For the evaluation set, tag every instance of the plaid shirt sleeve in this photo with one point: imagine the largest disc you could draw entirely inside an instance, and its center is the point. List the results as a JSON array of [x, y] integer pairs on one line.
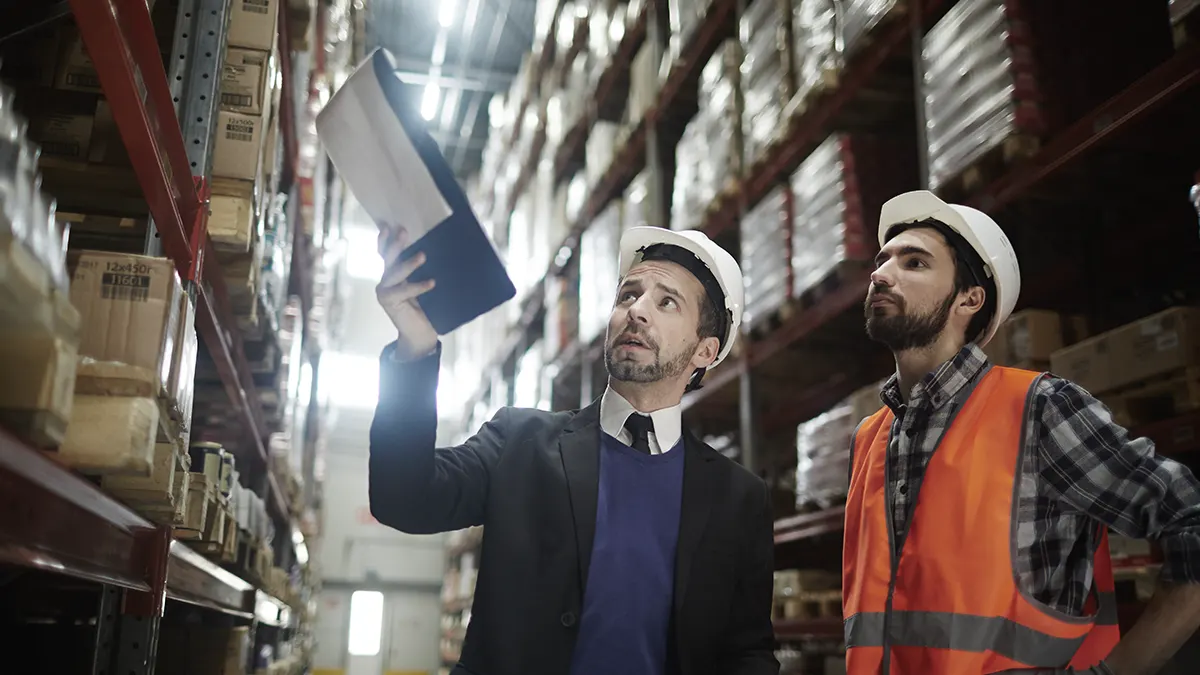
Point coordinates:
[[1096, 468]]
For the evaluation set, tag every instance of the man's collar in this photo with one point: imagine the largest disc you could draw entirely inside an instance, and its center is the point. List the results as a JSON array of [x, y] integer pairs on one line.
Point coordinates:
[[940, 386], [614, 410]]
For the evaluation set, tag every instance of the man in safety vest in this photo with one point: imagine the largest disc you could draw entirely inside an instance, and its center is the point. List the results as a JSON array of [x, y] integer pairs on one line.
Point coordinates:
[[980, 497]]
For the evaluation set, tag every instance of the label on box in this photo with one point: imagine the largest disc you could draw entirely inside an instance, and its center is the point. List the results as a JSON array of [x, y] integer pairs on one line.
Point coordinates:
[[132, 287], [1150, 327]]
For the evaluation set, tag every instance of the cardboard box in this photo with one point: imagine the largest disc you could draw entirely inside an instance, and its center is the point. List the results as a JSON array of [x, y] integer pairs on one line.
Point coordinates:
[[111, 435], [107, 146], [865, 402], [1029, 337], [253, 24], [60, 122], [239, 145], [244, 80], [75, 71], [232, 214], [1088, 364], [39, 384], [129, 306], [1157, 345]]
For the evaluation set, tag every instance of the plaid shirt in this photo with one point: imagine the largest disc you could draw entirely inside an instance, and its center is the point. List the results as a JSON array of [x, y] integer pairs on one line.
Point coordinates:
[[1086, 469]]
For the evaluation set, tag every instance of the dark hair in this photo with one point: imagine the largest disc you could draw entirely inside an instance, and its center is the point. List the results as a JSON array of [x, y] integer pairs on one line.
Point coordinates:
[[710, 326], [968, 271]]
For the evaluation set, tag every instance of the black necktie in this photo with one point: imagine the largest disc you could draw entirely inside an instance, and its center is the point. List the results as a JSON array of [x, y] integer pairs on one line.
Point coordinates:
[[639, 426]]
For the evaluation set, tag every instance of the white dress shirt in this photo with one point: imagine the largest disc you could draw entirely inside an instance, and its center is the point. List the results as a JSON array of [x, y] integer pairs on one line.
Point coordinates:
[[667, 424]]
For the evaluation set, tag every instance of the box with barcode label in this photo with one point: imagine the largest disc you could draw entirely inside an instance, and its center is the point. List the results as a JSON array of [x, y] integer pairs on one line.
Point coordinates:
[[129, 306], [244, 80], [239, 145], [253, 24], [75, 71]]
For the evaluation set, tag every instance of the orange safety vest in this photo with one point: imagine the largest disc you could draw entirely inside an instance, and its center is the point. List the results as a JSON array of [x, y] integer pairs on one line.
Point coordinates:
[[948, 603]]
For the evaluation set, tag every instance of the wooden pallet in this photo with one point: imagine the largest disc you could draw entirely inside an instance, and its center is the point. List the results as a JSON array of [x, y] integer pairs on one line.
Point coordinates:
[[992, 165], [161, 496], [201, 498], [813, 605], [773, 321], [828, 80], [1157, 399]]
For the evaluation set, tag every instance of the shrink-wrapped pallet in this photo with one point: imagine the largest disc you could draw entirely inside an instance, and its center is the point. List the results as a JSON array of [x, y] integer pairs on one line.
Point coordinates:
[[598, 277], [823, 457], [764, 258], [766, 88], [980, 90]]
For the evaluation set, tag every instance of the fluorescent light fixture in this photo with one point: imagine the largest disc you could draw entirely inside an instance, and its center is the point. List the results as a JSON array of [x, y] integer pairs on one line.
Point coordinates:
[[429, 101], [446, 13], [366, 623]]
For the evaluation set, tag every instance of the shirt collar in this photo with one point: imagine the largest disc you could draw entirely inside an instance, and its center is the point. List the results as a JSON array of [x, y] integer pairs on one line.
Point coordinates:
[[940, 386], [614, 410]]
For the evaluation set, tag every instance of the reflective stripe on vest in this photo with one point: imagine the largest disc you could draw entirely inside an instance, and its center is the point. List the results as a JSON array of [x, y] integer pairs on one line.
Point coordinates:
[[948, 600]]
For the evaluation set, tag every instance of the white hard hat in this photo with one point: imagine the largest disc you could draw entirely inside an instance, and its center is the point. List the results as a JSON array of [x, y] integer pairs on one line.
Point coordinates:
[[722, 265], [978, 229]]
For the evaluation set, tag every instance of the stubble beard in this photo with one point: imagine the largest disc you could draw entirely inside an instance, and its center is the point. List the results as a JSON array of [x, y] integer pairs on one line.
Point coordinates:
[[904, 331], [646, 373]]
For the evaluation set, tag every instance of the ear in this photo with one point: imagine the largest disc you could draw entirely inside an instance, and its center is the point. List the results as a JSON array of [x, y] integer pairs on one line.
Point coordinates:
[[706, 352], [971, 301]]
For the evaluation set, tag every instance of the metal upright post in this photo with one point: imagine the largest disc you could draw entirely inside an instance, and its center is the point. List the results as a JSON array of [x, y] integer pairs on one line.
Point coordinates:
[[916, 17], [107, 615]]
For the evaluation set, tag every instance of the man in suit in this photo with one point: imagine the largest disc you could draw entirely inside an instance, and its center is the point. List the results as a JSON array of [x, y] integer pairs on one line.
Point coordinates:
[[616, 542]]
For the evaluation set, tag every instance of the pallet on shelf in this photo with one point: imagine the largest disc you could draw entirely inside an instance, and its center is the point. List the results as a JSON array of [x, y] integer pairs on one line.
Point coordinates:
[[992, 165]]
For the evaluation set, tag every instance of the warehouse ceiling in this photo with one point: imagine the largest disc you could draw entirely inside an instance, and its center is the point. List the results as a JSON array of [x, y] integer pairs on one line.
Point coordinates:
[[469, 50]]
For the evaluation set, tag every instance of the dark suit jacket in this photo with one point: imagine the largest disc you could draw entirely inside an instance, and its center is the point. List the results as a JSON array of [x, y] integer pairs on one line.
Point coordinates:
[[530, 477]]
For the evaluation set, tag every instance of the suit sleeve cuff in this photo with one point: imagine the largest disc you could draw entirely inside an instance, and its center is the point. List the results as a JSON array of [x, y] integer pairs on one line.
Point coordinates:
[[408, 382]]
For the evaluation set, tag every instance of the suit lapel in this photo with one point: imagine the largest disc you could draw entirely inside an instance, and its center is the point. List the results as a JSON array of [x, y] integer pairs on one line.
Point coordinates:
[[579, 447], [701, 480]]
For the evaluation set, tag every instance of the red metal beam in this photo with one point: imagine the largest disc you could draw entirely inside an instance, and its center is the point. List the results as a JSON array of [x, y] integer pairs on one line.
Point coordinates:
[[53, 520], [120, 40], [1173, 77], [193, 579]]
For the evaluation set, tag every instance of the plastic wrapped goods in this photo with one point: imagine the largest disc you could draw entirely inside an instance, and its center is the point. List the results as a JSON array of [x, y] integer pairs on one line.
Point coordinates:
[[764, 257], [598, 278], [979, 87], [823, 457], [766, 89], [684, 16], [721, 111], [816, 50], [687, 206], [860, 17], [819, 221]]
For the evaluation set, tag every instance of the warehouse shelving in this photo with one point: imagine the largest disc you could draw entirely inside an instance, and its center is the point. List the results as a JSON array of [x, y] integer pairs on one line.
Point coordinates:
[[55, 521], [834, 316]]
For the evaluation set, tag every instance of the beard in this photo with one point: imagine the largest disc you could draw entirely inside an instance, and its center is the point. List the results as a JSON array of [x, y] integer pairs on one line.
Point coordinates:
[[904, 331], [627, 370]]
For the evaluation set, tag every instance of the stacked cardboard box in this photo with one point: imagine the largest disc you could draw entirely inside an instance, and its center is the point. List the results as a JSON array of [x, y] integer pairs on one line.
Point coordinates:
[[137, 363], [1145, 371], [766, 85], [764, 257], [1028, 338], [980, 90]]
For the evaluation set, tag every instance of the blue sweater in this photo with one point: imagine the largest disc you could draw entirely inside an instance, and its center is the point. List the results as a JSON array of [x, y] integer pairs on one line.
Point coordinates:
[[631, 578]]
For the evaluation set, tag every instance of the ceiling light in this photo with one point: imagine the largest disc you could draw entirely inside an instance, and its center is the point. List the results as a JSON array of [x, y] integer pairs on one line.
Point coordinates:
[[446, 13], [429, 101]]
